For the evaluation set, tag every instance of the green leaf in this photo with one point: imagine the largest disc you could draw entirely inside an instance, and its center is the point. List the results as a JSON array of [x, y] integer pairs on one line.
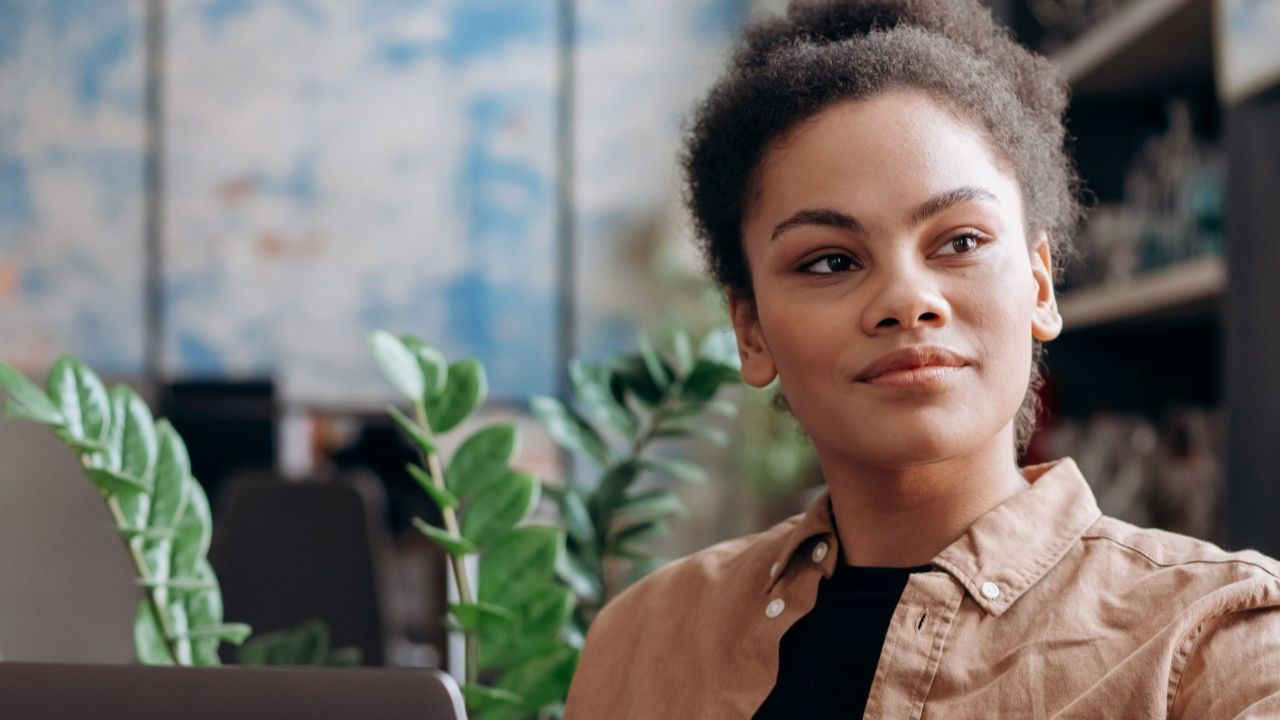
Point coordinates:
[[451, 544], [500, 506], [517, 565], [683, 347], [722, 407], [147, 533], [570, 429], [179, 626], [643, 532], [398, 364], [137, 433], [613, 487], [115, 484], [721, 346], [688, 428], [480, 699], [204, 609], [234, 633], [649, 505], [574, 572], [481, 458], [194, 531], [82, 446], [412, 430], [576, 519], [156, 559], [546, 612], [81, 399], [632, 373], [475, 616], [542, 679], [442, 498], [20, 412], [29, 401], [148, 638], [307, 644], [431, 362], [183, 584], [464, 391], [707, 377], [679, 469], [594, 387], [655, 366], [173, 469]]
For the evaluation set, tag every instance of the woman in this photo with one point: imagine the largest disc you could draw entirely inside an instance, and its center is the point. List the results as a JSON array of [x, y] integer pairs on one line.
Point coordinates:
[[882, 191]]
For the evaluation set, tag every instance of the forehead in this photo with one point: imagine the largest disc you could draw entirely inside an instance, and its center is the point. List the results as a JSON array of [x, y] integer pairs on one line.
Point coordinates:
[[879, 157]]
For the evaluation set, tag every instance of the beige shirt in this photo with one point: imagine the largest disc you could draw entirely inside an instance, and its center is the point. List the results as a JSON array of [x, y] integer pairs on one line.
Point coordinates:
[[1043, 608]]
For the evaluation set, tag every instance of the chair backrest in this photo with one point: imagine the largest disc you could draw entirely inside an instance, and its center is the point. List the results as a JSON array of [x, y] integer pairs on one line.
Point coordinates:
[[38, 691], [286, 552]]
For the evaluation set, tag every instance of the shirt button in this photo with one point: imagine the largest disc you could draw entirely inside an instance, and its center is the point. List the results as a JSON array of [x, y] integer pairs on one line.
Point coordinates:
[[990, 590], [819, 551], [775, 608]]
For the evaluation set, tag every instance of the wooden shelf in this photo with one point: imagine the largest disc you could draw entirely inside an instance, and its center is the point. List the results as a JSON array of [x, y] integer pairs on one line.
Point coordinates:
[[1167, 292], [1146, 46]]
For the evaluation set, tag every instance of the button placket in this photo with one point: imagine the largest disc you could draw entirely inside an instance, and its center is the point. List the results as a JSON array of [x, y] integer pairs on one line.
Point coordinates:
[[820, 551], [775, 607]]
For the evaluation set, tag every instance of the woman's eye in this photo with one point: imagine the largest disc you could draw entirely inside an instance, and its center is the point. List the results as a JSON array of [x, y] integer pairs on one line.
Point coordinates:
[[828, 264], [963, 244]]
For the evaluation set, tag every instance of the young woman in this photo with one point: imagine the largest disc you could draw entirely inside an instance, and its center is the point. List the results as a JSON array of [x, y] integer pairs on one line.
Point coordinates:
[[882, 191]]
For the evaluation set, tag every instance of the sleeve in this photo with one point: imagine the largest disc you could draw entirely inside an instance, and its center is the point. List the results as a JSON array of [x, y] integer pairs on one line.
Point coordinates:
[[1233, 669]]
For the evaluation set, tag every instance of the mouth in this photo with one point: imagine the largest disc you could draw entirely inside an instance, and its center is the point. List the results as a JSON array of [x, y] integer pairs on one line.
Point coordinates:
[[912, 365], [923, 376]]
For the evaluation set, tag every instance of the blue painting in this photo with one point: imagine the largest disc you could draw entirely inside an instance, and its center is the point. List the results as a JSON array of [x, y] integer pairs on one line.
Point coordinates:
[[71, 183], [334, 167]]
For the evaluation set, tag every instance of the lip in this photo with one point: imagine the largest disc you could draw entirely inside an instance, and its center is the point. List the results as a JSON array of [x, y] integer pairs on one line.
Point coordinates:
[[913, 364]]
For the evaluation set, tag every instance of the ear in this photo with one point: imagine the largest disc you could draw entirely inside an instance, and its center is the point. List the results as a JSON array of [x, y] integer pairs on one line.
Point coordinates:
[[757, 363], [1046, 323]]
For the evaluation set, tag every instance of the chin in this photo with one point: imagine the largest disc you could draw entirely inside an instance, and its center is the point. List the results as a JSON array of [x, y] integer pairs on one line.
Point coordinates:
[[900, 445]]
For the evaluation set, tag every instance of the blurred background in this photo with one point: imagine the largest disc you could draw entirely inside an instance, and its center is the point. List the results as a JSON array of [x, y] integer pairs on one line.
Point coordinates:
[[217, 200]]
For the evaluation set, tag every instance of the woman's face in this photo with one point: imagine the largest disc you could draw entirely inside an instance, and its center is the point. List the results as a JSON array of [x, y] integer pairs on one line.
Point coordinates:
[[882, 224]]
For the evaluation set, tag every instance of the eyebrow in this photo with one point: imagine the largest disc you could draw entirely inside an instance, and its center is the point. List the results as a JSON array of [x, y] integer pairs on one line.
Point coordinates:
[[828, 217]]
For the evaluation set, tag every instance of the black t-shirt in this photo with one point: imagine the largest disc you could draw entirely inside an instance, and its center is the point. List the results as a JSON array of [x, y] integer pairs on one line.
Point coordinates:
[[828, 658]]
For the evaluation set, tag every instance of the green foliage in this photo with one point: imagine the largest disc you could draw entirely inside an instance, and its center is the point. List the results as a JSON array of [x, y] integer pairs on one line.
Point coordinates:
[[634, 398], [141, 468], [306, 644], [515, 616]]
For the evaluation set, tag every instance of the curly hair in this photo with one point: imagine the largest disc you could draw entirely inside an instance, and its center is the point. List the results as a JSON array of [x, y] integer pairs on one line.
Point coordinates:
[[786, 69]]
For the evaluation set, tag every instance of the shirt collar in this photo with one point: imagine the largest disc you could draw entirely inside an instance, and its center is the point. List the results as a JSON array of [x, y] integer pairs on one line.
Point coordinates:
[[1002, 553]]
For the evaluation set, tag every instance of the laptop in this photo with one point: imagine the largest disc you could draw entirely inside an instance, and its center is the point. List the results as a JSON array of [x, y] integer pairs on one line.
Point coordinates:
[[45, 691]]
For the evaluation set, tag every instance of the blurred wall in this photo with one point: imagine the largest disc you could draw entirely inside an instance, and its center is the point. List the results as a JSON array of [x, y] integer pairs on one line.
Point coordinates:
[[332, 167]]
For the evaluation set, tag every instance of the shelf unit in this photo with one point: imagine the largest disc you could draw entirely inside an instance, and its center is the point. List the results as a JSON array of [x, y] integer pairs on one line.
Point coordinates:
[[1185, 290], [1145, 344], [1149, 45], [1200, 333]]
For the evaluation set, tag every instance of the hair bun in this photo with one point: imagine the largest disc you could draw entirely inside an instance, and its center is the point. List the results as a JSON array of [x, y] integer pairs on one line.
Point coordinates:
[[1035, 80], [819, 22]]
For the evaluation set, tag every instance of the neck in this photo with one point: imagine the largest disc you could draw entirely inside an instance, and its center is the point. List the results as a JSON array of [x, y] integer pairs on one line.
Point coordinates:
[[905, 516]]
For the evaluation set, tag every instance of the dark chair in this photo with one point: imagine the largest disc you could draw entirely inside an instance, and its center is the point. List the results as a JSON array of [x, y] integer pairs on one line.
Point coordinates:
[[286, 552]]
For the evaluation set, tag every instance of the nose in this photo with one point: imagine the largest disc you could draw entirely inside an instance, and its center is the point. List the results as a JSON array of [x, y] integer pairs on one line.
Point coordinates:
[[905, 296]]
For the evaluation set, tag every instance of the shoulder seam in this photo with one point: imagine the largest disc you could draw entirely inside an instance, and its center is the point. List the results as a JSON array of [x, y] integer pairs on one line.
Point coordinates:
[[1205, 561]]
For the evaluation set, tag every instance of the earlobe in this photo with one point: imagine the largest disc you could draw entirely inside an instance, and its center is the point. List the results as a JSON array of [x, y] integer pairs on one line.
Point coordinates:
[[1046, 322], [757, 363]]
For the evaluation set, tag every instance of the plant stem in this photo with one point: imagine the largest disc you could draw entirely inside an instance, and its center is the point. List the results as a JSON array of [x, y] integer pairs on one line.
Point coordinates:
[[432, 461], [140, 565]]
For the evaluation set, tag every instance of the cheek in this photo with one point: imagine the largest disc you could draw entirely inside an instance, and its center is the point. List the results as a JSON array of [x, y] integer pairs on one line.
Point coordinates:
[[1003, 319]]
